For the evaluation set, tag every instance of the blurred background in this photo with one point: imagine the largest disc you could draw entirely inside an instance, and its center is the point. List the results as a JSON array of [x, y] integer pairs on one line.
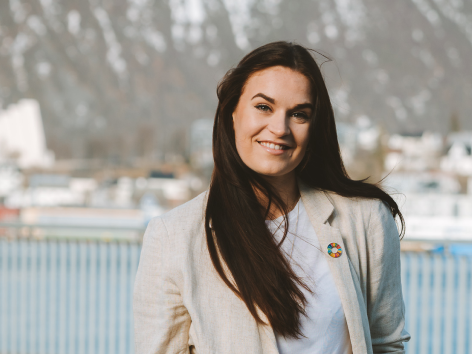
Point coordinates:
[[106, 113]]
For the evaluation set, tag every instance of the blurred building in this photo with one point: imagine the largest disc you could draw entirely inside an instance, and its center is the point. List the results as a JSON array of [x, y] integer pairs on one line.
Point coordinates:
[[432, 205], [83, 223], [422, 182], [458, 159], [52, 190], [361, 148], [414, 152], [364, 135], [171, 191], [11, 179], [437, 217], [22, 136]]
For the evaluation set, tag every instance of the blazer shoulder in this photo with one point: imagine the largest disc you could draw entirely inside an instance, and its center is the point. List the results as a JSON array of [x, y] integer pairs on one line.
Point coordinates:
[[351, 203], [191, 212], [358, 209]]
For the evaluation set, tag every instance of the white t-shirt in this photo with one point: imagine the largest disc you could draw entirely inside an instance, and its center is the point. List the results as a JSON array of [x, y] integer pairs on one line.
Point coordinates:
[[325, 327]]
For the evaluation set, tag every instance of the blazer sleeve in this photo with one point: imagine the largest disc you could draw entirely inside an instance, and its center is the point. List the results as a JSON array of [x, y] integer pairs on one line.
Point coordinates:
[[161, 321], [385, 306]]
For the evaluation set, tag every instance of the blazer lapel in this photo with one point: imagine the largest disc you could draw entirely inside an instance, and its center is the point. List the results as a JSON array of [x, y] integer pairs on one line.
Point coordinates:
[[319, 209]]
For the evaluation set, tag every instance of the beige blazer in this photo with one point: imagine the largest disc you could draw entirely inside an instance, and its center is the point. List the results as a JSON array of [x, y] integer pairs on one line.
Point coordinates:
[[181, 305]]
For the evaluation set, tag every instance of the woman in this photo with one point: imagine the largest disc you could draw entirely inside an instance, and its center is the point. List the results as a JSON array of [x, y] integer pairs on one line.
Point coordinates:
[[284, 253]]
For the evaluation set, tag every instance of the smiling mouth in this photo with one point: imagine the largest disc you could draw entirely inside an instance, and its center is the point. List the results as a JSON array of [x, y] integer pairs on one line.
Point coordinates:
[[274, 146]]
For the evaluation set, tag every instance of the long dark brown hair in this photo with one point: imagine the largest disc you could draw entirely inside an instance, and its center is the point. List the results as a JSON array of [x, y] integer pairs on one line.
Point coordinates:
[[261, 274]]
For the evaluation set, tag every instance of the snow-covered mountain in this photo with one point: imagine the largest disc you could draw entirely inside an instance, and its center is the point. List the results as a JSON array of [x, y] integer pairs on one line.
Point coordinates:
[[124, 78]]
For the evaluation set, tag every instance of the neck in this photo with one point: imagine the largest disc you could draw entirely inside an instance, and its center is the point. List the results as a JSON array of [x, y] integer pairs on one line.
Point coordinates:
[[287, 188]]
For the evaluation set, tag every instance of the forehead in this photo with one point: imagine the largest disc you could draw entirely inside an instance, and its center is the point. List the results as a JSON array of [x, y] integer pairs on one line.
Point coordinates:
[[279, 82]]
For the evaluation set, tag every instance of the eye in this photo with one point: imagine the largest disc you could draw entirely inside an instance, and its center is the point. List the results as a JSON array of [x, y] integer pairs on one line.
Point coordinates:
[[263, 107], [301, 115]]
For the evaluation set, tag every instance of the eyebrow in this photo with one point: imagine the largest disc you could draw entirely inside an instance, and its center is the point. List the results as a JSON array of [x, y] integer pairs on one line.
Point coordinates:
[[271, 100]]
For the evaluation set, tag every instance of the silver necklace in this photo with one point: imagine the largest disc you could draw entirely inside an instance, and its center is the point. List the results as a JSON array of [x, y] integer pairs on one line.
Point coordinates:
[[295, 234], [296, 228]]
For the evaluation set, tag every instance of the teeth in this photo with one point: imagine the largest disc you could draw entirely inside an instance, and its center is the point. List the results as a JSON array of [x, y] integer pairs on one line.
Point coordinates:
[[272, 146]]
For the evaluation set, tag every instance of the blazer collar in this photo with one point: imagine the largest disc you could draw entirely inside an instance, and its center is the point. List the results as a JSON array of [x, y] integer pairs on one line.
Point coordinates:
[[317, 200]]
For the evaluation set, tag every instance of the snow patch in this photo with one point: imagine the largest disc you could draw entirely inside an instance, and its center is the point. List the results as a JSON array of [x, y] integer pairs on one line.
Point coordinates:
[[73, 22], [117, 63]]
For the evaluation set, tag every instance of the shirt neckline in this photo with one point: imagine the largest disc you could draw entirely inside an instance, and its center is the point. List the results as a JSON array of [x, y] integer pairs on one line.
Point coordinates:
[[291, 214]]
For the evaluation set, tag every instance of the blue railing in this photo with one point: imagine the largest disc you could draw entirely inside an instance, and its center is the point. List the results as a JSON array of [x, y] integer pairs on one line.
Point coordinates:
[[437, 290], [70, 297], [66, 297]]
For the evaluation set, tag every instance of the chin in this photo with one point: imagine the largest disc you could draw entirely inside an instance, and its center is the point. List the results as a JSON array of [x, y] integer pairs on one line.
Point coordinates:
[[273, 172]]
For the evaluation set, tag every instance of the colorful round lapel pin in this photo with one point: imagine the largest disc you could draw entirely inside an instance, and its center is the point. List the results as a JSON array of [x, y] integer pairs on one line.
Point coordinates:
[[334, 250]]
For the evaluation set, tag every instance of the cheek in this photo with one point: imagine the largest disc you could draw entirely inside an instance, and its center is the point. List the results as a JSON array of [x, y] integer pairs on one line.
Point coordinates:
[[302, 137], [240, 133], [245, 128], [241, 137]]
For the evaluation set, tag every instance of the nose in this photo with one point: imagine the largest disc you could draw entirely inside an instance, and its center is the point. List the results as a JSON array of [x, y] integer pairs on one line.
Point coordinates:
[[279, 124]]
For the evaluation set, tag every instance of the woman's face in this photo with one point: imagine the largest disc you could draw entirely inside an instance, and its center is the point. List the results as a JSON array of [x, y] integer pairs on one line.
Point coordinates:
[[272, 119]]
